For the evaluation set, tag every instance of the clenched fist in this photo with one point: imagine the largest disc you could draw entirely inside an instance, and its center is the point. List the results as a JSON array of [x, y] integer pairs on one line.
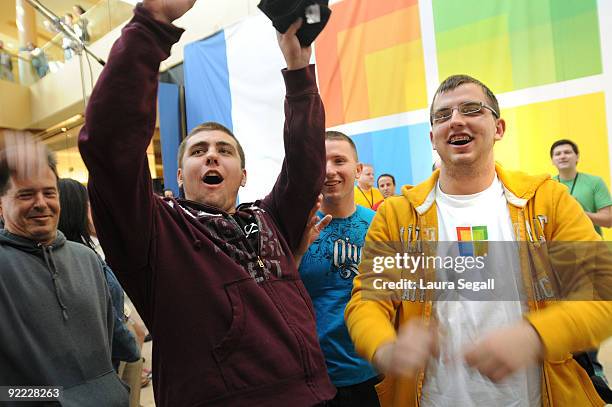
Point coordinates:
[[166, 11], [505, 351], [416, 342]]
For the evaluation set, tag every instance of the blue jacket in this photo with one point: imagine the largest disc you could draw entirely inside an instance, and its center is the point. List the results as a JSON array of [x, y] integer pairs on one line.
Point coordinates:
[[124, 347]]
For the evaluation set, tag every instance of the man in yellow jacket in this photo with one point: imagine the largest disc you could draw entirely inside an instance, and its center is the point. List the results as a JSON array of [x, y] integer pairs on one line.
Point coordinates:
[[443, 347], [366, 194]]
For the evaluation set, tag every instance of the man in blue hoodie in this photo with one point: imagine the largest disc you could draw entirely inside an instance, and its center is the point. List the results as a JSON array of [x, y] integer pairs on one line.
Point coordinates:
[[56, 314]]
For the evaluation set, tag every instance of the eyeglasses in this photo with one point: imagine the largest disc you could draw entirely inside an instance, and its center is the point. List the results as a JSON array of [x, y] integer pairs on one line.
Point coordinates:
[[466, 109]]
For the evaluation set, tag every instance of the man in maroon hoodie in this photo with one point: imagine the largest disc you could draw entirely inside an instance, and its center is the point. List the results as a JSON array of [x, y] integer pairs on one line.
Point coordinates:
[[216, 285]]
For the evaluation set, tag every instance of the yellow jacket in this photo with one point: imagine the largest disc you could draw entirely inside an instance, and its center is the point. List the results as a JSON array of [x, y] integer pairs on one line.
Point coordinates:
[[542, 211]]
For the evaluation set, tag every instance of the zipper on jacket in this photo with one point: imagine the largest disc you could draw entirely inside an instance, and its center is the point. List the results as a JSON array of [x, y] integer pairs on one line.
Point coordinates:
[[546, 401], [259, 260], [522, 222]]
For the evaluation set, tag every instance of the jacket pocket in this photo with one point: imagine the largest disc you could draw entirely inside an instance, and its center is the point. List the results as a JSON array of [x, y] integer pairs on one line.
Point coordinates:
[[105, 390], [569, 385], [306, 298], [259, 348]]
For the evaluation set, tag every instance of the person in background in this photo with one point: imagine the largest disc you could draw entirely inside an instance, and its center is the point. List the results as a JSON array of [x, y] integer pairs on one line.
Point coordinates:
[[328, 267], [366, 194], [168, 193], [6, 64], [67, 42], [589, 190], [74, 224], [53, 294], [593, 195], [386, 185], [38, 59], [81, 24]]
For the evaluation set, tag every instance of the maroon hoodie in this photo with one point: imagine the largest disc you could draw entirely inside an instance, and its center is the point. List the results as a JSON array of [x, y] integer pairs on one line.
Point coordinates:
[[231, 320]]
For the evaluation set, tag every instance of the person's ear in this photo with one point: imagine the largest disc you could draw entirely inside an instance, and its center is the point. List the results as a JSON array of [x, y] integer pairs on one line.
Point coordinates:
[[500, 129], [359, 169], [433, 145], [179, 177], [244, 178]]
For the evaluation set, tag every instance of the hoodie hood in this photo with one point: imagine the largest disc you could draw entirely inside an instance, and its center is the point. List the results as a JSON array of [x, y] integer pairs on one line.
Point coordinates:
[[518, 186], [27, 245]]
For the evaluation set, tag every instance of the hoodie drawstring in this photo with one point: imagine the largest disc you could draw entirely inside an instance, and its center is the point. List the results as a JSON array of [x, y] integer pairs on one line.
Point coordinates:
[[54, 276]]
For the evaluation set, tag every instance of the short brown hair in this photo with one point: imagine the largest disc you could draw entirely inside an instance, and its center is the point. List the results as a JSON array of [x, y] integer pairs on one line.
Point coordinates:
[[209, 126], [385, 175], [563, 142], [454, 81], [337, 135], [5, 173]]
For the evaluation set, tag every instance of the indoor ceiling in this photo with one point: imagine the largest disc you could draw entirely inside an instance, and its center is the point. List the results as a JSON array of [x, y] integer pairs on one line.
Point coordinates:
[[8, 27]]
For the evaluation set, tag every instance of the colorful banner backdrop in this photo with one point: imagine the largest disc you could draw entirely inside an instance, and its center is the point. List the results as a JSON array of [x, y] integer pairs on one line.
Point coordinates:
[[379, 63], [404, 152], [516, 44], [234, 77], [534, 127], [370, 60], [542, 58]]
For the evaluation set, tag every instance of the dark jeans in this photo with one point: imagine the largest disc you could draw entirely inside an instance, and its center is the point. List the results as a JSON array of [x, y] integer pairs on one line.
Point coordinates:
[[358, 395]]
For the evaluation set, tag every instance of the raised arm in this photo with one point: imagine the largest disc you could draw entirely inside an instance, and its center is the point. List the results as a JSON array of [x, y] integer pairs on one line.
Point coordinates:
[[119, 125], [303, 170]]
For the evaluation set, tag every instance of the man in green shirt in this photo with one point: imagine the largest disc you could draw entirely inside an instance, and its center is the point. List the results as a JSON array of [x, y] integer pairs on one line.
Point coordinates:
[[589, 190], [593, 195]]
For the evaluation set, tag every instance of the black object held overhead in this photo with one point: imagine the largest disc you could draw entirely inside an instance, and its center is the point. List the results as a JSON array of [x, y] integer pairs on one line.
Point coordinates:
[[283, 13]]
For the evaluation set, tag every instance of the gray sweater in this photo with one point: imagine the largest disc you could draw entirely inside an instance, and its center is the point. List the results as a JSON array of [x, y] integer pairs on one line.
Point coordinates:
[[56, 321]]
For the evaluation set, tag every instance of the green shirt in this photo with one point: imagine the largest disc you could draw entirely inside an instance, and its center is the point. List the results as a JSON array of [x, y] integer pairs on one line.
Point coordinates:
[[590, 191]]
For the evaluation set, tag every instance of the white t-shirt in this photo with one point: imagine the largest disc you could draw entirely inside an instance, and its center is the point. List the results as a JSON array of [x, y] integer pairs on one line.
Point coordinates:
[[464, 319]]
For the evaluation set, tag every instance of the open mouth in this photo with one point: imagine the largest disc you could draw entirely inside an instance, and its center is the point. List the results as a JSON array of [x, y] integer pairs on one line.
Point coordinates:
[[331, 183], [460, 140], [212, 178]]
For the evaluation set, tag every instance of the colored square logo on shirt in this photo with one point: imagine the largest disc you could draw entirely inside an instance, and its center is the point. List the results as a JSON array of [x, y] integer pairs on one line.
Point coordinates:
[[479, 233], [472, 240], [464, 234]]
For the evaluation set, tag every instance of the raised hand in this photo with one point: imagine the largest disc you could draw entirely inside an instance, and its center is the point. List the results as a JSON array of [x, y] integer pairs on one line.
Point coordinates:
[[25, 157], [166, 11], [505, 351], [312, 230], [416, 342], [296, 56]]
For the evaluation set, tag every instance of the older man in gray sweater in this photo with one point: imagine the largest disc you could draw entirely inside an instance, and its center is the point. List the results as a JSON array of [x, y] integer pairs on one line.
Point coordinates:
[[55, 307]]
